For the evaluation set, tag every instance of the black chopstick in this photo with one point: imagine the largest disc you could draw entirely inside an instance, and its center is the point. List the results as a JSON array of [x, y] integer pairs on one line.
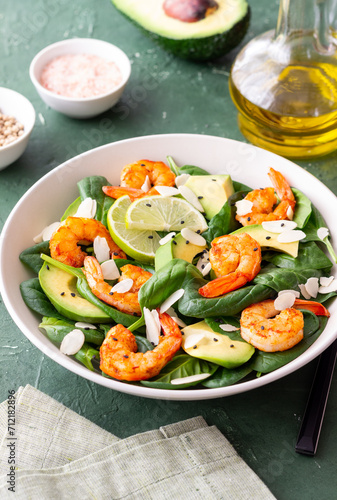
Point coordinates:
[[310, 430]]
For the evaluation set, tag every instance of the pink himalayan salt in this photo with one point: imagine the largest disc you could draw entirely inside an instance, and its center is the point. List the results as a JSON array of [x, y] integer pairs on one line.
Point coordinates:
[[80, 76]]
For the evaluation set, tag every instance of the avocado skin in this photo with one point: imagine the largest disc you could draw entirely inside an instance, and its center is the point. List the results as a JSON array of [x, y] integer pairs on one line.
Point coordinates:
[[201, 49]]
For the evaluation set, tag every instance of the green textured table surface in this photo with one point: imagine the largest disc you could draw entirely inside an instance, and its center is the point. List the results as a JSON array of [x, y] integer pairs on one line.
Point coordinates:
[[164, 95]]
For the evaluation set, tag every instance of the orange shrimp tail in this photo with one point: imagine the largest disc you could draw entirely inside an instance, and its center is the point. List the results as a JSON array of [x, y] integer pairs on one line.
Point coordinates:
[[169, 326], [133, 193], [282, 187], [118, 191], [315, 307], [223, 285]]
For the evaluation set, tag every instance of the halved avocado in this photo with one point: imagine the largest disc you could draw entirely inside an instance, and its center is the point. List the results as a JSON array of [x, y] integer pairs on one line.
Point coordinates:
[[60, 288], [212, 190], [215, 347], [177, 248], [214, 28], [268, 240]]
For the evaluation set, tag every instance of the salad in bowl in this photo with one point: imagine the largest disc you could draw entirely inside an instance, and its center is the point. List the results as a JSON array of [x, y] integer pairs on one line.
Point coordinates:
[[182, 279]]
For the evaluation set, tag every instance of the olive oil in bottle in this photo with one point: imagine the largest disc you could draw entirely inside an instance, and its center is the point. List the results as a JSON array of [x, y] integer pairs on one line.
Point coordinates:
[[284, 82]]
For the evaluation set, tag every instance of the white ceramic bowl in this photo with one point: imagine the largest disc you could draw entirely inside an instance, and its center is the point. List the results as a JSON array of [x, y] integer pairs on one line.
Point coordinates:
[[14, 104], [56, 190], [81, 107]]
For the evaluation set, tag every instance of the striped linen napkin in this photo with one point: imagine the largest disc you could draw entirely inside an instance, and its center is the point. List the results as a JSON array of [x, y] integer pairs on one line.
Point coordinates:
[[54, 460]]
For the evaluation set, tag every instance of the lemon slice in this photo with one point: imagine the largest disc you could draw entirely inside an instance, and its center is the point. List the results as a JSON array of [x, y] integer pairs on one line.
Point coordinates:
[[159, 213], [138, 244]]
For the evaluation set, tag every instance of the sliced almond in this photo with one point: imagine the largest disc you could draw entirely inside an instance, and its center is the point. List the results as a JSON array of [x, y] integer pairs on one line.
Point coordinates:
[[243, 207], [87, 208], [181, 179], [101, 249], [304, 291], [226, 327], [294, 292], [322, 232], [193, 237], [190, 379], [290, 213], [204, 268], [191, 197], [284, 301], [332, 287], [172, 299], [326, 281], [291, 235], [179, 321], [152, 323], [167, 190], [122, 286], [167, 238], [312, 287], [193, 340], [147, 185], [278, 226], [72, 342], [87, 326], [110, 270], [47, 232]]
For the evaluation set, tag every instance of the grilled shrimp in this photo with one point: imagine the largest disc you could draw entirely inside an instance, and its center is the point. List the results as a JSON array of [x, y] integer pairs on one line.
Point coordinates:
[[270, 330], [235, 259], [126, 302], [120, 359], [264, 201], [133, 177], [64, 243]]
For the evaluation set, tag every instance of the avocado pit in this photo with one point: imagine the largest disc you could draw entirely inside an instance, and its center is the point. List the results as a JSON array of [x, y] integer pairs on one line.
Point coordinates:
[[189, 11]]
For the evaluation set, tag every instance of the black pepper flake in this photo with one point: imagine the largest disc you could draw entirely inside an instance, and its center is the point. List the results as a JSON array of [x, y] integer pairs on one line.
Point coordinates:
[[248, 218], [73, 294], [198, 232], [142, 164], [62, 293], [111, 293], [115, 253], [216, 340], [232, 345], [175, 242], [255, 249], [114, 338], [282, 224], [268, 237], [148, 204], [202, 266], [86, 328], [195, 346], [200, 197], [182, 222], [125, 356], [150, 237], [47, 267], [187, 242], [262, 327]]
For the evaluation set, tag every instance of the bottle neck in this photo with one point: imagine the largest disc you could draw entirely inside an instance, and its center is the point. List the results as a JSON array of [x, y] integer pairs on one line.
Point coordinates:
[[316, 19]]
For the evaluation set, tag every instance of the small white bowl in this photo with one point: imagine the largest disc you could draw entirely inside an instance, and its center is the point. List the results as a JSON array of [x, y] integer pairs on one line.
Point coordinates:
[[14, 104], [80, 107]]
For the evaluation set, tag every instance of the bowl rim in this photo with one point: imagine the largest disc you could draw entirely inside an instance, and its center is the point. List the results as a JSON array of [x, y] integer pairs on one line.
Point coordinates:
[[61, 43], [27, 131]]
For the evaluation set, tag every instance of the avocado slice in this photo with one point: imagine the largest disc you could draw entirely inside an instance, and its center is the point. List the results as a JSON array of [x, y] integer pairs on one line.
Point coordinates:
[[177, 248], [215, 347], [212, 190], [219, 31], [268, 240], [60, 288]]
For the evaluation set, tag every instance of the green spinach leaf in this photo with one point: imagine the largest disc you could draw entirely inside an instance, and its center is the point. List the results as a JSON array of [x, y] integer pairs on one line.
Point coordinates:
[[31, 256], [180, 366], [35, 298]]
